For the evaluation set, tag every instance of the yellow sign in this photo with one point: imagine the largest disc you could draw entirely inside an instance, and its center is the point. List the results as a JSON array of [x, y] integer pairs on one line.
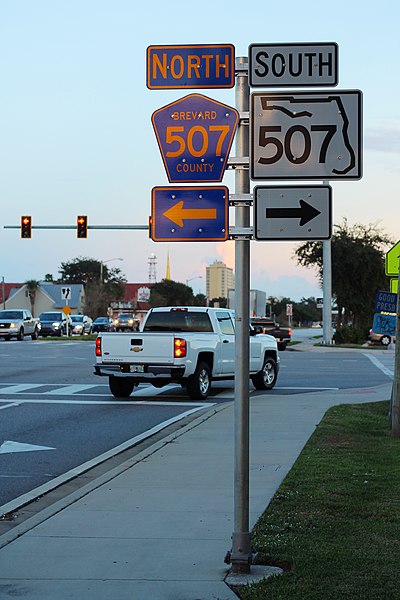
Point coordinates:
[[392, 261], [66, 310], [394, 286]]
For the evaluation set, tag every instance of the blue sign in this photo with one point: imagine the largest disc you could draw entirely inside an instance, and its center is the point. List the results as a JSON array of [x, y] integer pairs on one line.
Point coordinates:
[[195, 135], [386, 302], [384, 324], [190, 66], [189, 214]]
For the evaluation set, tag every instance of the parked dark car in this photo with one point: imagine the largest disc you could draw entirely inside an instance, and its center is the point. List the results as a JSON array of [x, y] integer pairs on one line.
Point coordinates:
[[81, 324], [103, 324], [54, 323]]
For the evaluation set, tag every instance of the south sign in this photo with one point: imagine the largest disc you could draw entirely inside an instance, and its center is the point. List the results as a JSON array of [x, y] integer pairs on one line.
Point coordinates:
[[195, 135], [293, 65]]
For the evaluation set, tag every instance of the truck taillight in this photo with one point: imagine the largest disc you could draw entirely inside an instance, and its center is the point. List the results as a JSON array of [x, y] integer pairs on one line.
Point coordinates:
[[179, 348], [98, 346], [290, 331]]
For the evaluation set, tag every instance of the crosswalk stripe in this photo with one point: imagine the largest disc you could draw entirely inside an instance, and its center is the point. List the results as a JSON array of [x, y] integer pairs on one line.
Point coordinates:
[[71, 389]]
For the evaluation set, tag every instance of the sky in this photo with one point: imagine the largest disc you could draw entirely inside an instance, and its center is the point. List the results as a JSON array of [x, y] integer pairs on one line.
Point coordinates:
[[76, 134]]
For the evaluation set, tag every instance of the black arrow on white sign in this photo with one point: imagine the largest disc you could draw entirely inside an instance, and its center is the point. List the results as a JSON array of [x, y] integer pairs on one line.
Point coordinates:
[[305, 213]]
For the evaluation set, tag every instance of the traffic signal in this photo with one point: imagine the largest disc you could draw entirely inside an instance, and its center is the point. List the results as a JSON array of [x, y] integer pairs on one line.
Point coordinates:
[[26, 227], [81, 226]]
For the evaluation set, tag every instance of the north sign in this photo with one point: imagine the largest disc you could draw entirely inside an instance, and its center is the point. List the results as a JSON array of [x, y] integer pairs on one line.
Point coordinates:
[[293, 213], [306, 135], [293, 65], [392, 260], [189, 214], [195, 135], [190, 66]]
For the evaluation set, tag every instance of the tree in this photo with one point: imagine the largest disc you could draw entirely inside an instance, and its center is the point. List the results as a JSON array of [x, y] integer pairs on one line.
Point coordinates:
[[306, 311], [358, 269], [171, 293], [98, 294], [221, 301], [32, 287]]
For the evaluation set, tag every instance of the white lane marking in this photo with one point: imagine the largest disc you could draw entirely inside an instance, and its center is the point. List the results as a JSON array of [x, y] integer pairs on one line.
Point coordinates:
[[9, 447], [17, 502], [19, 387], [126, 402], [379, 365], [67, 390], [8, 405], [307, 388]]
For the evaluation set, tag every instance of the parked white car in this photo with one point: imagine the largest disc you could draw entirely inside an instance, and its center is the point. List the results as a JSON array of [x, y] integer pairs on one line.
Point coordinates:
[[81, 324], [18, 323]]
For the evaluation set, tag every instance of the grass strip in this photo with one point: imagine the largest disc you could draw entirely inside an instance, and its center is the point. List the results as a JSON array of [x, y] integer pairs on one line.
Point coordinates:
[[334, 523]]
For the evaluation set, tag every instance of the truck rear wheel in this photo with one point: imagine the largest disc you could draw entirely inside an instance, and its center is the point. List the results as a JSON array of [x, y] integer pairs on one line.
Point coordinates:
[[282, 346], [34, 335], [199, 384], [121, 387], [266, 378]]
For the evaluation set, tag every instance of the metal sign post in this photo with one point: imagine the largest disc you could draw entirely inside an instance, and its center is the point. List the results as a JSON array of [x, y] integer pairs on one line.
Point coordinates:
[[241, 547], [395, 400]]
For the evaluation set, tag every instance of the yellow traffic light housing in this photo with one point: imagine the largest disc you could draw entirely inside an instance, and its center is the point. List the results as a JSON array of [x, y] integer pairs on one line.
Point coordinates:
[[26, 227], [81, 226]]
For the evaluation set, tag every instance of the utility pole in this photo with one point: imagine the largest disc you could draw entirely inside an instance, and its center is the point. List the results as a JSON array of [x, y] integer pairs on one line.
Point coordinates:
[[241, 547]]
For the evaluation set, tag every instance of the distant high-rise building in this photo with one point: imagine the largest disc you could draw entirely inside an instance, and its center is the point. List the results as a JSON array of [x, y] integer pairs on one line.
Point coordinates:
[[219, 279]]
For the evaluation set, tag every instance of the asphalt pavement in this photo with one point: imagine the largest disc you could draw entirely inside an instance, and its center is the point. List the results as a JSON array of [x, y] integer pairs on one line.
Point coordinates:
[[158, 526]]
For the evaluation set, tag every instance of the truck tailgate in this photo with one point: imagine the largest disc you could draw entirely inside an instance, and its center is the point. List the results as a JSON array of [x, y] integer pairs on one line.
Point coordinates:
[[142, 348]]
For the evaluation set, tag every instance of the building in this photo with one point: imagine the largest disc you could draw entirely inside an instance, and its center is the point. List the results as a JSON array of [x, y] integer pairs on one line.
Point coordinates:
[[136, 300], [47, 296], [219, 279]]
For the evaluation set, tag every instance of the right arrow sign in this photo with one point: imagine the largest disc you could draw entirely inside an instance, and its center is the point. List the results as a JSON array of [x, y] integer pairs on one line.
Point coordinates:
[[293, 213]]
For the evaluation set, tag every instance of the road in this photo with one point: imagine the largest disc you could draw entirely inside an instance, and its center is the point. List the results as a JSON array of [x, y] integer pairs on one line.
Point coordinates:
[[58, 419]]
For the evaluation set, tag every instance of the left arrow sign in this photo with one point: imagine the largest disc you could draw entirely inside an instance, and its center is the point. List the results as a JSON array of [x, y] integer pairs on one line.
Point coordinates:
[[9, 447], [189, 214], [177, 213]]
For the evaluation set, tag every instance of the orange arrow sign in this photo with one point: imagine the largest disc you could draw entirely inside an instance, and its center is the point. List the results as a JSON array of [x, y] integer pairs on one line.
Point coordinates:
[[177, 214]]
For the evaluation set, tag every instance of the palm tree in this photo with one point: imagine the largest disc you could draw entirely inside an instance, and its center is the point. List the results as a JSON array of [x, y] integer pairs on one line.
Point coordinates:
[[32, 286]]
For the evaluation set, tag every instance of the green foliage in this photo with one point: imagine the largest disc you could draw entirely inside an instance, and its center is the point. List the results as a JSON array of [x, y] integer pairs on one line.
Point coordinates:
[[358, 268], [303, 312], [221, 302], [102, 285], [32, 287], [347, 334], [334, 524], [171, 293]]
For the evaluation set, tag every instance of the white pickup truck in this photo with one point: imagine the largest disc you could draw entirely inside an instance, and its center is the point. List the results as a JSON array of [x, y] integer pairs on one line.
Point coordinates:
[[188, 345], [18, 323]]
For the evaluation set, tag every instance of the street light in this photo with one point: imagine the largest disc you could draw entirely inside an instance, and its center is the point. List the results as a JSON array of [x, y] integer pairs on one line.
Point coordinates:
[[102, 262], [196, 277]]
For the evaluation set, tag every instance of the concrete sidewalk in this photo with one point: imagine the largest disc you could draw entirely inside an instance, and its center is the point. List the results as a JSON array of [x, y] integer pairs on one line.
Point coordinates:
[[158, 526]]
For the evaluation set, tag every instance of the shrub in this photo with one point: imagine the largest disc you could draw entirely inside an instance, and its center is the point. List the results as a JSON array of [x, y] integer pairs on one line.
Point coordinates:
[[346, 334]]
